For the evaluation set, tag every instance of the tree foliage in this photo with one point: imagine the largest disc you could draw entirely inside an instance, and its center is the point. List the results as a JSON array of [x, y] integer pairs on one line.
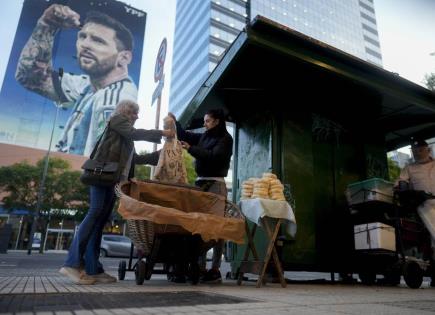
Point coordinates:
[[142, 172], [393, 170], [429, 81], [62, 189], [190, 167]]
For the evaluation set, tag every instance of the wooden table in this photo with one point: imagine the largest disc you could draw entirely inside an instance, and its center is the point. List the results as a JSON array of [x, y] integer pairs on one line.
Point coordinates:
[[271, 222]]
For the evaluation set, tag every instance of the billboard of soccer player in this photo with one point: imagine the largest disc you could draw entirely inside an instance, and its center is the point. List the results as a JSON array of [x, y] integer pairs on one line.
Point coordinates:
[[81, 56]]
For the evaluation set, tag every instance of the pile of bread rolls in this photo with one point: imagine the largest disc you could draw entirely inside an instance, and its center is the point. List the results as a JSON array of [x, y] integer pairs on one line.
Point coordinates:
[[267, 187]]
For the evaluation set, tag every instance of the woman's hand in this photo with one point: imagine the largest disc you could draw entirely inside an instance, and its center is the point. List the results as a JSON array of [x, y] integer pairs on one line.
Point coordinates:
[[185, 145], [168, 133]]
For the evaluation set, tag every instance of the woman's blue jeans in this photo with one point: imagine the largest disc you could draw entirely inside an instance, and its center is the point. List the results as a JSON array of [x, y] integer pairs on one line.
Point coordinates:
[[85, 246]]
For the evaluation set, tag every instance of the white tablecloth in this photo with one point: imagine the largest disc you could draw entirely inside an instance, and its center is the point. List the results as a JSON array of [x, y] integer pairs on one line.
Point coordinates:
[[255, 209]]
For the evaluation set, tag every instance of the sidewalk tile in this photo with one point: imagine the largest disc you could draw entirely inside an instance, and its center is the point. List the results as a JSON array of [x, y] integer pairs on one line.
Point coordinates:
[[101, 312]]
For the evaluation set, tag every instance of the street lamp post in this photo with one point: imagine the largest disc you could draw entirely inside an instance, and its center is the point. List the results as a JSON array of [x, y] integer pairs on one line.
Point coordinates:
[[42, 186], [44, 176]]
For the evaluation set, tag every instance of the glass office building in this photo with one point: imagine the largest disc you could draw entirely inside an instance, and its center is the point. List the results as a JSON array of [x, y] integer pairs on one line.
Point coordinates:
[[349, 25], [204, 29]]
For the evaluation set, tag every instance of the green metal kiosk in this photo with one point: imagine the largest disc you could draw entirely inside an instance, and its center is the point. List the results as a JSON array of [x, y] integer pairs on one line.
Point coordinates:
[[317, 117]]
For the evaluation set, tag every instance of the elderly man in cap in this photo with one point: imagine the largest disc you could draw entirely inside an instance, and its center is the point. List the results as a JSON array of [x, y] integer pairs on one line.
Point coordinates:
[[420, 175]]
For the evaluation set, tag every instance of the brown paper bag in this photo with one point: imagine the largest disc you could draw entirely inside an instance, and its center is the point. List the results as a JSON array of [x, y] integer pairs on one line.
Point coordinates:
[[171, 168]]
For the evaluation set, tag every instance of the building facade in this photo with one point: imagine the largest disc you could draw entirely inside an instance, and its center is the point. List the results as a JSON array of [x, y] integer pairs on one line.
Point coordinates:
[[204, 29]]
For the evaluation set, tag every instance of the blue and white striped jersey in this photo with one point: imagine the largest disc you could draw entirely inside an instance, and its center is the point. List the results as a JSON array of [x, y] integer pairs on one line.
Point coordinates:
[[90, 110]]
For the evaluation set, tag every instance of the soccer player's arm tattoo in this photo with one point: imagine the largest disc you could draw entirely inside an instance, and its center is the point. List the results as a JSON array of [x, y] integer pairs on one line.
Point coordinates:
[[34, 70]]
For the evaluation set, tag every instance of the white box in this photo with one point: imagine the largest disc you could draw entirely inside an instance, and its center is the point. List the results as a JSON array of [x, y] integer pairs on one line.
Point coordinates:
[[374, 235]]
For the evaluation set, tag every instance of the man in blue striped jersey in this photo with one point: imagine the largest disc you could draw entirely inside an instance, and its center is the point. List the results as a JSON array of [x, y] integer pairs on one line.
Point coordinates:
[[104, 51]]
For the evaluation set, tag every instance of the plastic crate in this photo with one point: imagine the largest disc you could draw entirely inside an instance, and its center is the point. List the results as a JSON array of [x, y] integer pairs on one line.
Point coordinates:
[[374, 189], [375, 235]]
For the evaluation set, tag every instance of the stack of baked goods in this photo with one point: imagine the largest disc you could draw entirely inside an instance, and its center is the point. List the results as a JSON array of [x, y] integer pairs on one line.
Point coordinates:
[[247, 188], [267, 187], [276, 190], [261, 188]]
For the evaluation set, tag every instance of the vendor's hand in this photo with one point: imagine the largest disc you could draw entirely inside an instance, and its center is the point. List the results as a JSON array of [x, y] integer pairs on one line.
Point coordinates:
[[60, 16], [185, 145], [168, 133], [172, 116]]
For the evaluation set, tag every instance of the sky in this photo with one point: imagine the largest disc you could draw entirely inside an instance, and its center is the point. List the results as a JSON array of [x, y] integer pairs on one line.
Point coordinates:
[[407, 35], [406, 32]]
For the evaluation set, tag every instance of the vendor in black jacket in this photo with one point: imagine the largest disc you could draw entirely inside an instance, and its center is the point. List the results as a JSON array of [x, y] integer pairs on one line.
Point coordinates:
[[212, 151]]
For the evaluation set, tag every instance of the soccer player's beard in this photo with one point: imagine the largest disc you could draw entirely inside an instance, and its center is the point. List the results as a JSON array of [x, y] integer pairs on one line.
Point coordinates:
[[99, 69]]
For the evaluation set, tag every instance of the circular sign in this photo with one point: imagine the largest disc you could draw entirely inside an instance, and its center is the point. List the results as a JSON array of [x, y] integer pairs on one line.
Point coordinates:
[[160, 61]]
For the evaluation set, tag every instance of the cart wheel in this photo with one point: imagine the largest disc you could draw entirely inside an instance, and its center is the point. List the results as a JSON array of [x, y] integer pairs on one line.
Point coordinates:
[[122, 267], [367, 277], [194, 273], [413, 275], [140, 272], [149, 266]]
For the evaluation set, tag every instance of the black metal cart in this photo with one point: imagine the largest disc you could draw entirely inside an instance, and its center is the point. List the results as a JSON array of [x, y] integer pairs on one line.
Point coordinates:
[[411, 257]]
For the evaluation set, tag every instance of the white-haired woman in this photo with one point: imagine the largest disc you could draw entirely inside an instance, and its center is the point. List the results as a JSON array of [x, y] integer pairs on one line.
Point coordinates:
[[116, 146]]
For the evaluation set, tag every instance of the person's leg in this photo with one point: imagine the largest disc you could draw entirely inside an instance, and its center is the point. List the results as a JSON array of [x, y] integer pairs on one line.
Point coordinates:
[[202, 259], [92, 264], [78, 246], [427, 215], [218, 250], [80, 241], [218, 188], [214, 275]]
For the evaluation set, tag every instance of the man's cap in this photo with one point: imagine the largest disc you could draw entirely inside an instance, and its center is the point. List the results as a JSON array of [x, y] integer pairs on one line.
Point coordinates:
[[415, 143]]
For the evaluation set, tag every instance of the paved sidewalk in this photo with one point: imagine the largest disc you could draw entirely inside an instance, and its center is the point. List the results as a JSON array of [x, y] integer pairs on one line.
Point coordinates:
[[57, 295], [32, 285]]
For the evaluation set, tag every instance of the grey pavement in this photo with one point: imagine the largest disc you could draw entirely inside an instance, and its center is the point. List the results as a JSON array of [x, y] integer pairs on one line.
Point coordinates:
[[31, 285]]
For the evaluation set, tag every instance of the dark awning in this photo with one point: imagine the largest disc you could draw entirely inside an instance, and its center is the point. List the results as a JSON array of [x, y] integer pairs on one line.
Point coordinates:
[[328, 81]]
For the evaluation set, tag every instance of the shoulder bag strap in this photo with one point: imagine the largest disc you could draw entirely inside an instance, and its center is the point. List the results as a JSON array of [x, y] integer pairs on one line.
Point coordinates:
[[94, 151]]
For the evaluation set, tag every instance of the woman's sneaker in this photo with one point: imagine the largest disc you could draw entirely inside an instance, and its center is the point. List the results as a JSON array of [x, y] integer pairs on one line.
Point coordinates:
[[76, 276], [212, 276], [103, 278]]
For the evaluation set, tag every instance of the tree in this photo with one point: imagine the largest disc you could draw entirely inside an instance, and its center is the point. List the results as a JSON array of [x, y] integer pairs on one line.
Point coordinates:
[[190, 168], [429, 81], [63, 190], [142, 172], [393, 170]]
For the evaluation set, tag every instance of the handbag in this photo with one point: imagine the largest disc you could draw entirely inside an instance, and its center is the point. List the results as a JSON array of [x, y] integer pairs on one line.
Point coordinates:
[[97, 172]]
